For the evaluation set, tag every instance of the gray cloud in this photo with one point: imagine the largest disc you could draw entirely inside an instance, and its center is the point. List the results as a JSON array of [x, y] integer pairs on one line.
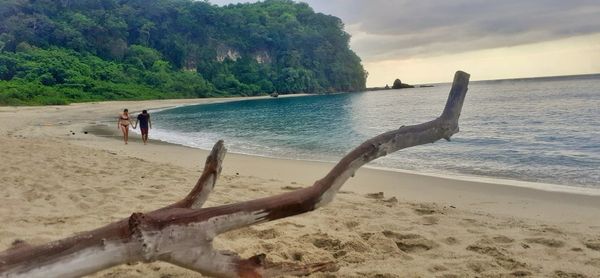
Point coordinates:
[[400, 29]]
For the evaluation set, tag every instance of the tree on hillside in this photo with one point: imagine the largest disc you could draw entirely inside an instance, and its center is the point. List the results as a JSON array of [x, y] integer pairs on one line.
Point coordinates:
[[242, 49]]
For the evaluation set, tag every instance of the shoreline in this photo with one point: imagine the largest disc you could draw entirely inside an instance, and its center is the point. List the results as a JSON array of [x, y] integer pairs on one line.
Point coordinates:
[[501, 181], [538, 200], [58, 180]]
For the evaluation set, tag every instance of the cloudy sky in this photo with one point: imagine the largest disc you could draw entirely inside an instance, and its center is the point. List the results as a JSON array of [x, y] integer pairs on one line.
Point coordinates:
[[422, 41]]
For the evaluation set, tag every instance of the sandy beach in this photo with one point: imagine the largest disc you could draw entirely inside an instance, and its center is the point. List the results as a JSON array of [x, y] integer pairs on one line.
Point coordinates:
[[65, 169]]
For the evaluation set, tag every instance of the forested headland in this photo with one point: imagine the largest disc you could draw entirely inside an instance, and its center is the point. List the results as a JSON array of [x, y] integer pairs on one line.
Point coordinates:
[[62, 51]]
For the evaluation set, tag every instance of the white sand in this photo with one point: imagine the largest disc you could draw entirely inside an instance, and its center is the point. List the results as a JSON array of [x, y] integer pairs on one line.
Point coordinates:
[[55, 183]]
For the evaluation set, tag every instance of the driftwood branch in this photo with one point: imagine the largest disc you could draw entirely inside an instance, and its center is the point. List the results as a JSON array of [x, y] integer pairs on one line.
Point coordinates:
[[182, 233], [212, 169]]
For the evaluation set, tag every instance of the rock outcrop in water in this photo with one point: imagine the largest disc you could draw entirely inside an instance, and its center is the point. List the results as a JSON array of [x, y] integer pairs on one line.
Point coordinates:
[[399, 85]]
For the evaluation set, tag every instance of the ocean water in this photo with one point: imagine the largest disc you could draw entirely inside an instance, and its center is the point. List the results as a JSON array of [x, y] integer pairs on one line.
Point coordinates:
[[541, 130]]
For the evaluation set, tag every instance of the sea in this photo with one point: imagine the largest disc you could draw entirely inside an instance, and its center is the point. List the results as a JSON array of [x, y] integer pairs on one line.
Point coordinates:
[[544, 130]]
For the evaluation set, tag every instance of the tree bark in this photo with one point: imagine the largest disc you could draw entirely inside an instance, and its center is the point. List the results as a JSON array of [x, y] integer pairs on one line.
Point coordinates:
[[182, 233]]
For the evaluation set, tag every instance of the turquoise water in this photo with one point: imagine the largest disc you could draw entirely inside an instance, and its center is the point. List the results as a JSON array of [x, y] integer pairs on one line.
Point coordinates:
[[541, 130]]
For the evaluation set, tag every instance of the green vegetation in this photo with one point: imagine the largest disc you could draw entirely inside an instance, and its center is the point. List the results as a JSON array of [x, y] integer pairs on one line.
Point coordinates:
[[61, 51]]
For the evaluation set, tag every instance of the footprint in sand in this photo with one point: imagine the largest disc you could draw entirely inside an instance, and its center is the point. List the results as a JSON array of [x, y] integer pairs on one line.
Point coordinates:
[[366, 236], [376, 275], [84, 192], [357, 246], [470, 222], [411, 243], [451, 240], [327, 243], [105, 190], [480, 266], [545, 229], [425, 209], [593, 244], [32, 194], [267, 246], [349, 251], [83, 205], [548, 242], [500, 256], [503, 239], [158, 186], [351, 224], [551, 229], [297, 256], [565, 274], [55, 221], [429, 220], [521, 273], [267, 234], [437, 268], [595, 262], [390, 202], [376, 196]]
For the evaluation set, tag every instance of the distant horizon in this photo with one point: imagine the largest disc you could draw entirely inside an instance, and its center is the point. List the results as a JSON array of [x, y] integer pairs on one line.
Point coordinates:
[[499, 79], [538, 77]]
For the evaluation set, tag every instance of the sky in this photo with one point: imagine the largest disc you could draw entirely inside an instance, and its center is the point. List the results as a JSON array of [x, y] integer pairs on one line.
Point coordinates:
[[426, 41]]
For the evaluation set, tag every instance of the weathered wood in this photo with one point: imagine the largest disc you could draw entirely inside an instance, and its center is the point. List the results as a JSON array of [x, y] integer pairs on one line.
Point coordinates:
[[212, 169], [182, 233], [100, 242]]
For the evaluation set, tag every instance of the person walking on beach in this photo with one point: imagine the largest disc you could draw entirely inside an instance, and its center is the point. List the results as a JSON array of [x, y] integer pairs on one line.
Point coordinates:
[[144, 120], [123, 124]]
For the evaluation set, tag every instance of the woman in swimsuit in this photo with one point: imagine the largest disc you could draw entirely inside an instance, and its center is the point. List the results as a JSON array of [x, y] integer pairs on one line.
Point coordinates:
[[123, 124]]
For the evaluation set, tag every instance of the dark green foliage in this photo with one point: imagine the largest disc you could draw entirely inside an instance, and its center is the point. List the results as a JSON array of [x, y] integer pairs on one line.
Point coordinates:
[[61, 51], [60, 76]]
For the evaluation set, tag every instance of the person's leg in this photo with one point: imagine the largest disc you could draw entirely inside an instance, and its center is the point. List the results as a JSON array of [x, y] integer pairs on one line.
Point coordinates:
[[124, 134], [144, 135]]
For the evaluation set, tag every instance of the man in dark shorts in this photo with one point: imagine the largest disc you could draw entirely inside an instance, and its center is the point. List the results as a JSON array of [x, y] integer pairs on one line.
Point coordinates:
[[145, 123]]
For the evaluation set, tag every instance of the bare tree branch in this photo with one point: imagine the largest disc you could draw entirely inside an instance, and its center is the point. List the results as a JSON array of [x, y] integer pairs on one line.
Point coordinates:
[[182, 233], [212, 169]]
